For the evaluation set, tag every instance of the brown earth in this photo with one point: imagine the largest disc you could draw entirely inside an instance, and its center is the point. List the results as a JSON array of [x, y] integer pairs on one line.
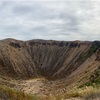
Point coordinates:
[[60, 64], [52, 59]]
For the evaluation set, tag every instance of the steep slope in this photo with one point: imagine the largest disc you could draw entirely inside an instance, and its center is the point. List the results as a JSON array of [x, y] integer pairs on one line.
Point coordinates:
[[52, 59], [15, 61]]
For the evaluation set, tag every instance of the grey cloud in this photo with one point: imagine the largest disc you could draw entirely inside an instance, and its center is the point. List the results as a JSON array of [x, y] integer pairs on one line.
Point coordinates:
[[63, 20], [23, 9]]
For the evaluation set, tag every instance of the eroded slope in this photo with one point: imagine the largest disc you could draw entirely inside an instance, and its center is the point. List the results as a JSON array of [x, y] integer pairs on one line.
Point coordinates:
[[52, 59]]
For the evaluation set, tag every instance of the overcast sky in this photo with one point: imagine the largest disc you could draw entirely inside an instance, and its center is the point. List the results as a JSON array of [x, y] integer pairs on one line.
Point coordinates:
[[57, 20]]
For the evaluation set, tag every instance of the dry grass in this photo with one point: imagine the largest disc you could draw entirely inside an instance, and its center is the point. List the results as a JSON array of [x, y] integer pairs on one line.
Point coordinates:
[[11, 94], [82, 92], [86, 93]]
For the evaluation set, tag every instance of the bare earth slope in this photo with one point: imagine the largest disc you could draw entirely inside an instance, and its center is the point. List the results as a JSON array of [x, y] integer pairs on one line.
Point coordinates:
[[63, 63], [40, 57]]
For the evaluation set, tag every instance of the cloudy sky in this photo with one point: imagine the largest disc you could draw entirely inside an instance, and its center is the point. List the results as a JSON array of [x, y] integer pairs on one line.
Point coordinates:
[[57, 20]]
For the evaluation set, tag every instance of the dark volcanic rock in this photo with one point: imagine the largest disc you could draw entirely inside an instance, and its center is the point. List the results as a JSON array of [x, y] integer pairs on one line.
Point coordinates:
[[16, 45]]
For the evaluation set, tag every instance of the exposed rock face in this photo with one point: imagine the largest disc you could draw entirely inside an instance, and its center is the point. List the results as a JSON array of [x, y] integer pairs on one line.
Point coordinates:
[[15, 61], [44, 57], [98, 55]]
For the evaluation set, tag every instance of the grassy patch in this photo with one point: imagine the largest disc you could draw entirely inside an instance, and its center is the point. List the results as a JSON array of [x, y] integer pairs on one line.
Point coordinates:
[[11, 94], [94, 79], [87, 54], [86, 93]]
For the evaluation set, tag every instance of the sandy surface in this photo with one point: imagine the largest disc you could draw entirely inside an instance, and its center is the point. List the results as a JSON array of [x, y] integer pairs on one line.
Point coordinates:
[[33, 86]]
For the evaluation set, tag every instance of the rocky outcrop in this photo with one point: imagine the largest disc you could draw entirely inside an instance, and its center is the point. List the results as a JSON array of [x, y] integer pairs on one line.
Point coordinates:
[[53, 59]]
